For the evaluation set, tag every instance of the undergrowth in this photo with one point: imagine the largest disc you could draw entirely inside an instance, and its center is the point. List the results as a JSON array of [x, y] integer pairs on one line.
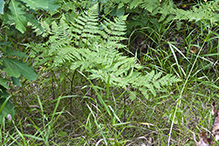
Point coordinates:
[[113, 73]]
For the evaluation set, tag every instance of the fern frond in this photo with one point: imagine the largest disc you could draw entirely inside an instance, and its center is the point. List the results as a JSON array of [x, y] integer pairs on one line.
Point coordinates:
[[91, 46], [205, 12]]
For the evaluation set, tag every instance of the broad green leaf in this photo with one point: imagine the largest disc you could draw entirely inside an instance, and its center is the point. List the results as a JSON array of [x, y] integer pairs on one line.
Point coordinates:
[[15, 53], [20, 23], [2, 6], [53, 4], [7, 110], [16, 81], [45, 4], [3, 82], [17, 15], [35, 4], [3, 92], [10, 68], [24, 69]]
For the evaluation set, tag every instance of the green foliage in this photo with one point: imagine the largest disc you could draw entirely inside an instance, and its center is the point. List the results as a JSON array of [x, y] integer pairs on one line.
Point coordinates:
[[16, 12], [165, 10], [6, 110], [92, 46], [12, 66], [2, 2], [169, 11], [204, 12], [45, 4], [16, 68], [83, 46]]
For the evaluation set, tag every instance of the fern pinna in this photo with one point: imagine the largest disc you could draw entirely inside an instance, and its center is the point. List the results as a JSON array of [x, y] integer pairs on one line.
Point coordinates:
[[88, 45]]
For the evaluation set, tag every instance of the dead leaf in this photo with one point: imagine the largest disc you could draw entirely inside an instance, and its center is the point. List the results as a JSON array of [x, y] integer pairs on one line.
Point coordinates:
[[214, 110], [203, 140], [194, 50], [215, 129]]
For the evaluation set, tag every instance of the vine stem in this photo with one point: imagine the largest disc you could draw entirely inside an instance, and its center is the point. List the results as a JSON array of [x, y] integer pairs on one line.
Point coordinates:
[[181, 93]]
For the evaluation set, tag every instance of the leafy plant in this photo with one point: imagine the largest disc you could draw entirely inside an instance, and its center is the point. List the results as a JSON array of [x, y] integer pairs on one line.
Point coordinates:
[[80, 50], [12, 66], [88, 44], [11, 63], [16, 12], [7, 110]]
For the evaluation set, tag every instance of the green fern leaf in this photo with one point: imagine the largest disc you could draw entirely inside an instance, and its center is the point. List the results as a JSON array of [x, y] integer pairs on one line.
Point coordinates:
[[135, 3], [150, 5], [91, 46]]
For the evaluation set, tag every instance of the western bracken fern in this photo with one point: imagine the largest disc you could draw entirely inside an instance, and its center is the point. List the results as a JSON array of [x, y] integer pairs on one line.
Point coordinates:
[[88, 45]]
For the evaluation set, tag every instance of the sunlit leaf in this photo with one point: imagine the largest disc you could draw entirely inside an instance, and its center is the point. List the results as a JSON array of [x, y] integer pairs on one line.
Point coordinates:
[[33, 4], [2, 6], [17, 16]]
